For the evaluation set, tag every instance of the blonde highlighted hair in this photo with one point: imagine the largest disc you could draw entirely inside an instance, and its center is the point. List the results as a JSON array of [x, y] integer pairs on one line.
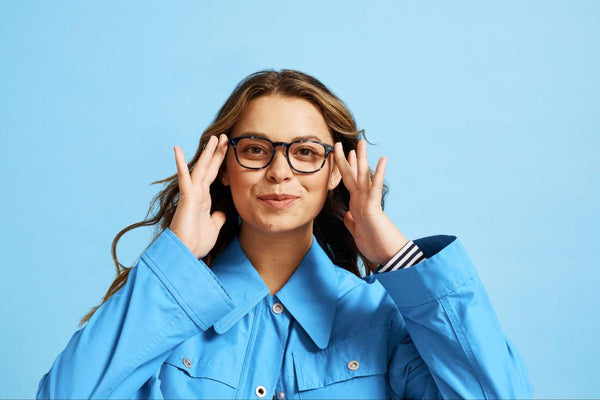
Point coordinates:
[[328, 227]]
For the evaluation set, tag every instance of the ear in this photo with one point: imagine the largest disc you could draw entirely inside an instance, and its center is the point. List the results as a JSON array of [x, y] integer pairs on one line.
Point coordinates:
[[334, 178], [224, 177]]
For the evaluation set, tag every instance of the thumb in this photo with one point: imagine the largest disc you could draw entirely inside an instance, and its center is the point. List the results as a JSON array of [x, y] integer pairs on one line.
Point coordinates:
[[219, 218], [349, 221]]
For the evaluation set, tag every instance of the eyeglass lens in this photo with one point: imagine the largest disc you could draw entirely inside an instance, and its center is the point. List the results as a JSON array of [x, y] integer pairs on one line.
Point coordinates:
[[303, 156]]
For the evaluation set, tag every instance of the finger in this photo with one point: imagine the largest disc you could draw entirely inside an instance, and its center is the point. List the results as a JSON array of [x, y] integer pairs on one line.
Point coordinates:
[[349, 221], [344, 167], [183, 172], [218, 218], [217, 159], [207, 153], [363, 165], [352, 161], [377, 185]]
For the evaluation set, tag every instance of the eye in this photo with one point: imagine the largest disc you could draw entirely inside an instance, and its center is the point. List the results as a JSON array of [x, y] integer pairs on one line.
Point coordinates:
[[254, 150], [306, 151]]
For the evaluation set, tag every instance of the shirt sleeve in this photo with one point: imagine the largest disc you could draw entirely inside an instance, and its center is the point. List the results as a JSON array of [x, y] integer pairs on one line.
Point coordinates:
[[169, 296], [409, 254], [449, 341]]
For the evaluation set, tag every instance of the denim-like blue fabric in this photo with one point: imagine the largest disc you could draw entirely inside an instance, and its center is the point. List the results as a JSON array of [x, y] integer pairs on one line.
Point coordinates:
[[181, 330]]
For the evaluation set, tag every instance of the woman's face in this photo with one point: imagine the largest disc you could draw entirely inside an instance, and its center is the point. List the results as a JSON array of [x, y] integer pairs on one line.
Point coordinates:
[[280, 119]]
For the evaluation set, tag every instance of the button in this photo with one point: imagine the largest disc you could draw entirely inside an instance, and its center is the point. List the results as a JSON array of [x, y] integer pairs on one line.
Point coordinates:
[[261, 391], [187, 362], [277, 308], [280, 395], [353, 365]]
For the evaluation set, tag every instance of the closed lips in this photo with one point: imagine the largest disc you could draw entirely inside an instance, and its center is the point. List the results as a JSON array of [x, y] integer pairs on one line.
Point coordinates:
[[277, 197]]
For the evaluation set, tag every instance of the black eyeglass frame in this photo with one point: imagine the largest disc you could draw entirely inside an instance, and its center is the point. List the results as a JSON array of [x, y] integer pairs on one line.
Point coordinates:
[[328, 149]]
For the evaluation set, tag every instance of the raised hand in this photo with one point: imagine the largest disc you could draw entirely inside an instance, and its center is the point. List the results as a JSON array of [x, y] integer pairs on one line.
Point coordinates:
[[376, 236], [192, 222]]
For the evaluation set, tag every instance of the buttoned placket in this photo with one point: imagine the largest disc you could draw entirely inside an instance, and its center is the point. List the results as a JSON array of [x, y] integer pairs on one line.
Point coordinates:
[[278, 308], [263, 367]]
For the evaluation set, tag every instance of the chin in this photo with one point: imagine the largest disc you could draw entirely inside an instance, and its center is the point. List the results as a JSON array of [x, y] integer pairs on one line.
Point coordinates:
[[279, 227], [281, 224]]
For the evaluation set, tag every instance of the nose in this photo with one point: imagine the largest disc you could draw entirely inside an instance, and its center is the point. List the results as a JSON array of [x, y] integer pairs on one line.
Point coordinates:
[[279, 169]]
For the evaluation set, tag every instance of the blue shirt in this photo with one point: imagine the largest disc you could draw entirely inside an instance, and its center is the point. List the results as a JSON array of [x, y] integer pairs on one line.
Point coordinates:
[[179, 329]]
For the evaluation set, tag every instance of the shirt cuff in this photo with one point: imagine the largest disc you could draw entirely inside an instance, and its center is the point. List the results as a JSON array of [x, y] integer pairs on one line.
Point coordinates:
[[189, 280], [447, 268], [409, 254]]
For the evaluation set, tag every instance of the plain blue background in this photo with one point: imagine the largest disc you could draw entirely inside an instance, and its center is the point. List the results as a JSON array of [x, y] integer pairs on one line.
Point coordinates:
[[487, 111]]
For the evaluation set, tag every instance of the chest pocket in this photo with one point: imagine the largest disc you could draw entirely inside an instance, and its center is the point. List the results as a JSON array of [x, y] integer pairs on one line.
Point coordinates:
[[201, 369], [352, 368]]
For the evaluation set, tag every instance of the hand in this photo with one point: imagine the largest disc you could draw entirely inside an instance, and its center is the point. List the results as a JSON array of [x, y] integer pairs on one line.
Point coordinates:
[[192, 222], [374, 233]]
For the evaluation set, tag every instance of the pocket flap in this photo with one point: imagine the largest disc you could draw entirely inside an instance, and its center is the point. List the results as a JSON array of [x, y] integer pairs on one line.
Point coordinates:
[[363, 354], [222, 366]]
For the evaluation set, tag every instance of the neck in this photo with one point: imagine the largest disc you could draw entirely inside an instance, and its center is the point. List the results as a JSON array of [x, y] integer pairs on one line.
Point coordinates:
[[275, 255]]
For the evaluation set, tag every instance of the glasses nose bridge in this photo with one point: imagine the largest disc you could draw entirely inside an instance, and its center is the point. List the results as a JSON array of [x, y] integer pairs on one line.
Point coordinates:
[[282, 144], [285, 149]]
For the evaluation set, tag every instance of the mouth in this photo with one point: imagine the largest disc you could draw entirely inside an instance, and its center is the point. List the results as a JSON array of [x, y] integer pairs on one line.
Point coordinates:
[[278, 201]]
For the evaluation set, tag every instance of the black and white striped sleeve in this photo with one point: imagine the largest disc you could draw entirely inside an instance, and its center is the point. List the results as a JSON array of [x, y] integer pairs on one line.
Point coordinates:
[[409, 254]]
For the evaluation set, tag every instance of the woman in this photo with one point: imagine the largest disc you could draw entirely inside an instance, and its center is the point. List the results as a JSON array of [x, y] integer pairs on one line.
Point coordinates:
[[252, 289]]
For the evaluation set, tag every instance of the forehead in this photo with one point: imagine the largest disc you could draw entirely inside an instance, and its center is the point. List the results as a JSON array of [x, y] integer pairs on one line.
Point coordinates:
[[282, 118]]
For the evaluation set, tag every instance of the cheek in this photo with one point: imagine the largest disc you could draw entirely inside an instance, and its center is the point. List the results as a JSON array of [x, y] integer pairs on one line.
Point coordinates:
[[317, 188], [319, 182], [234, 172], [241, 185]]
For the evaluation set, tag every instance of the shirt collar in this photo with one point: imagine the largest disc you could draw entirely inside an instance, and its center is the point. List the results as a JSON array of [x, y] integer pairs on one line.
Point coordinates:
[[310, 294]]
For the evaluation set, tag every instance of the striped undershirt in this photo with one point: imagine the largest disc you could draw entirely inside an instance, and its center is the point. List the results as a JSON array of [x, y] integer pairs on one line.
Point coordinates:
[[409, 254]]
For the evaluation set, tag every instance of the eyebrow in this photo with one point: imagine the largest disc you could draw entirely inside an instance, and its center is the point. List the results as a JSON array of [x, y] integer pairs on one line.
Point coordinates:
[[296, 138]]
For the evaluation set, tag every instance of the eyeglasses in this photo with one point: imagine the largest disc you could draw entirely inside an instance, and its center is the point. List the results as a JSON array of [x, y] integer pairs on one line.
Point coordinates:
[[303, 155]]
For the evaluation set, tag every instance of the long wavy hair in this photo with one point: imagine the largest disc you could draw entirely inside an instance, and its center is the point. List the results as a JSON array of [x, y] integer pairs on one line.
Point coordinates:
[[328, 226]]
